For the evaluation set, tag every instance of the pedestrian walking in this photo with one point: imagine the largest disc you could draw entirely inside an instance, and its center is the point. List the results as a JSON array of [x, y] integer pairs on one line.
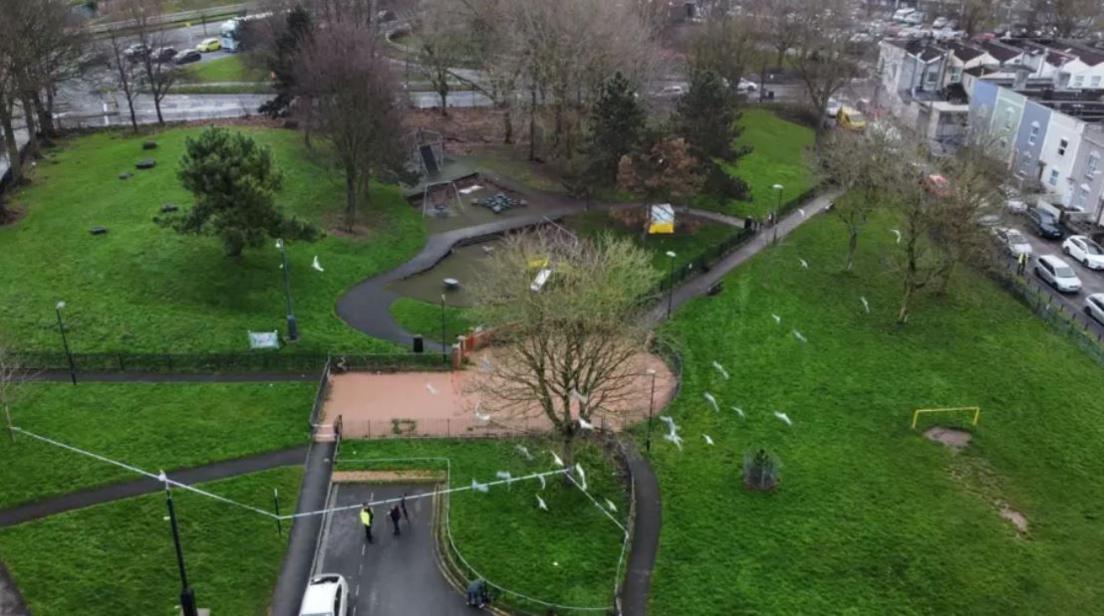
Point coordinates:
[[402, 503], [396, 515], [366, 518], [1021, 263]]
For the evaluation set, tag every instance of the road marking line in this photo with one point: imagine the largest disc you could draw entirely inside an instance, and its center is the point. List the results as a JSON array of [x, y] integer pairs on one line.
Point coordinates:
[[358, 590]]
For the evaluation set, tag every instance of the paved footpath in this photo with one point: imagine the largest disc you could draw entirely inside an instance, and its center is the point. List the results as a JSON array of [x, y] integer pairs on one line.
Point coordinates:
[[395, 575]]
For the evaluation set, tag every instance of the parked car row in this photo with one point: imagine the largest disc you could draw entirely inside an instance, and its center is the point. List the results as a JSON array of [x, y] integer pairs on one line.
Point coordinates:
[[164, 55]]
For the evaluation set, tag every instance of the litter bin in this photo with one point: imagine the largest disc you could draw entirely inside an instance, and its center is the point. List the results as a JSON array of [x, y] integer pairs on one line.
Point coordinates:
[[419, 344]]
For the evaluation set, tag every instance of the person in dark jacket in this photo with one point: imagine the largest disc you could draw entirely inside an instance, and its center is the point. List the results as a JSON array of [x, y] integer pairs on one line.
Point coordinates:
[[396, 515]]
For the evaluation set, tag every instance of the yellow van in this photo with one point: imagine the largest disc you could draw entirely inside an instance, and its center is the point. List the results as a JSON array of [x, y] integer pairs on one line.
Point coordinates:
[[850, 118]]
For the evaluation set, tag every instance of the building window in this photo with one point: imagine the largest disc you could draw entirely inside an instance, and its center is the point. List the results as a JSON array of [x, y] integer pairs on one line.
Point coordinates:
[[1053, 181], [1062, 145], [1078, 81], [1093, 164], [1031, 138], [956, 74], [1081, 199], [1095, 82]]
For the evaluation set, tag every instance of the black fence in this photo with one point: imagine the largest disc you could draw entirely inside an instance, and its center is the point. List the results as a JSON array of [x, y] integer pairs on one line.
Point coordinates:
[[227, 362], [703, 262], [1081, 329]]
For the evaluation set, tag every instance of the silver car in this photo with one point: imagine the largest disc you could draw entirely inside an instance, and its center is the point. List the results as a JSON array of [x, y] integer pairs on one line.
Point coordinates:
[[1094, 307], [1057, 273]]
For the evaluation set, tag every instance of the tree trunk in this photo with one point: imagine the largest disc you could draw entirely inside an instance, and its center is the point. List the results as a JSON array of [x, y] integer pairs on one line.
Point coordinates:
[[45, 118], [133, 116], [9, 143], [32, 126], [568, 452], [533, 124], [945, 278], [906, 299], [443, 94], [157, 106], [852, 245], [350, 196], [507, 128]]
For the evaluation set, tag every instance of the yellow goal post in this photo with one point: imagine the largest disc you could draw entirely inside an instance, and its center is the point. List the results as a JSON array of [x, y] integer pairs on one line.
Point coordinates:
[[975, 410]]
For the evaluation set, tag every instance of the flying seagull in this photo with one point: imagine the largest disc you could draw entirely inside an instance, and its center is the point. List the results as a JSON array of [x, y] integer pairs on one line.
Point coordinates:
[[801, 211], [670, 422], [543, 485], [708, 440], [540, 503], [504, 475], [740, 412], [585, 425], [777, 319], [556, 458], [804, 263], [784, 417], [712, 401], [897, 233], [316, 265], [674, 438], [582, 477], [721, 369], [523, 450], [866, 304], [799, 336], [479, 487], [610, 505], [431, 389]]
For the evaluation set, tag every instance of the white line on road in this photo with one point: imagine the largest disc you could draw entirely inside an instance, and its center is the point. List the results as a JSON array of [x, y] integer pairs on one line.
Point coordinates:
[[358, 590]]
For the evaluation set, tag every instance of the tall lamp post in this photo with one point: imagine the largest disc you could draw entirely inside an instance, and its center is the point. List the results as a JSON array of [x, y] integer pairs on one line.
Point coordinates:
[[187, 595], [65, 342], [444, 342], [778, 205], [670, 281], [651, 410], [292, 324]]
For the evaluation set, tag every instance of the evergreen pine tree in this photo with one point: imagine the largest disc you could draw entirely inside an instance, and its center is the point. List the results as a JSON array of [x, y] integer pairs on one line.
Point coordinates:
[[707, 117], [616, 127]]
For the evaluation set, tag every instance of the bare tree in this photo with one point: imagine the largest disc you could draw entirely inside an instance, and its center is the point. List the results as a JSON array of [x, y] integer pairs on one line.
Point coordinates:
[[861, 164], [976, 14], [443, 46], [124, 72], [569, 351], [823, 54], [354, 101], [157, 71], [728, 46]]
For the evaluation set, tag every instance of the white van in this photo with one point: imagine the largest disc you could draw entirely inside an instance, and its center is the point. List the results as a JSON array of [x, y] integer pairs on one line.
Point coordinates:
[[901, 14]]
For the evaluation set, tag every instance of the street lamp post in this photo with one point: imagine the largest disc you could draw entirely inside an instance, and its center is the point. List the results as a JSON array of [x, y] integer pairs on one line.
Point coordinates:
[[292, 324], [778, 205], [670, 281], [444, 342], [651, 410], [65, 342], [187, 595]]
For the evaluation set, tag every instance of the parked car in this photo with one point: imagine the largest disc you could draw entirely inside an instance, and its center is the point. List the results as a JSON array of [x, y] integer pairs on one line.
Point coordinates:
[[672, 90], [747, 86], [136, 51], [1014, 242], [939, 22], [1057, 273], [1044, 224], [1084, 251], [186, 57], [327, 595], [1016, 206], [163, 54], [850, 119], [833, 108], [211, 44], [1094, 307]]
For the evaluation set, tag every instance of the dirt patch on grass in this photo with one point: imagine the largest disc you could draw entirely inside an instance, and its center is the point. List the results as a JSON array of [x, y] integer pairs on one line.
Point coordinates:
[[411, 476], [1017, 519], [951, 438]]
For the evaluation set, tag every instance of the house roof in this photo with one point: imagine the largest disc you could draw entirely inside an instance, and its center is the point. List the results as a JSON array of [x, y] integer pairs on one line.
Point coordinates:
[[965, 53], [1000, 51], [1056, 58], [930, 54]]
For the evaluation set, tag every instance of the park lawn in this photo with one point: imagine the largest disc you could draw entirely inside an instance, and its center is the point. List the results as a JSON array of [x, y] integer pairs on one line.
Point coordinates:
[[145, 288], [689, 242], [870, 517], [227, 68], [777, 157], [153, 426], [118, 558], [567, 555], [418, 317]]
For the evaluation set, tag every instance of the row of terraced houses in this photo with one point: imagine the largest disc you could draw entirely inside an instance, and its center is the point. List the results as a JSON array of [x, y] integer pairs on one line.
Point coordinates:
[[1042, 103]]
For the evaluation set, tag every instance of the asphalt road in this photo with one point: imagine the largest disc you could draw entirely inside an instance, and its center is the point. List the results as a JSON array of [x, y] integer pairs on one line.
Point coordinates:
[[1091, 281], [396, 575]]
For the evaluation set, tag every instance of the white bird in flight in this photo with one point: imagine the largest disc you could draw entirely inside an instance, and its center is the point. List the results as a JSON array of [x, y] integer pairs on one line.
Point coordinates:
[[799, 336], [721, 369], [582, 477], [801, 211], [866, 304], [316, 265], [712, 401], [543, 485], [504, 475], [431, 389], [556, 458], [610, 505], [897, 233], [674, 438], [523, 450], [540, 503], [784, 417], [481, 416], [479, 487], [740, 412], [585, 425], [804, 263], [670, 423], [777, 319], [708, 440]]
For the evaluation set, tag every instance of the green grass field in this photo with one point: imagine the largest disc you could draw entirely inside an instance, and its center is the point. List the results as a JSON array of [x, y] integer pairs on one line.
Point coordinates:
[[144, 288], [870, 517], [687, 245], [118, 558], [152, 426], [227, 68], [566, 555], [777, 157], [418, 317]]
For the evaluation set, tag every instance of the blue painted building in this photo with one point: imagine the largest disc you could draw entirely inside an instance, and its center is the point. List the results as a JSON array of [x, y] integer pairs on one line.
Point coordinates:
[[1029, 141]]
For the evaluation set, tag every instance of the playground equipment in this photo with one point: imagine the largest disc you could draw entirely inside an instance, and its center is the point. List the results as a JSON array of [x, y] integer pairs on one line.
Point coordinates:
[[975, 410], [499, 202], [427, 152], [451, 198], [662, 220]]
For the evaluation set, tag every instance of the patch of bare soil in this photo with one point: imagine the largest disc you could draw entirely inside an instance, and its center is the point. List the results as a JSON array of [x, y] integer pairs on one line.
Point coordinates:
[[463, 129], [388, 476], [951, 438], [1017, 519]]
